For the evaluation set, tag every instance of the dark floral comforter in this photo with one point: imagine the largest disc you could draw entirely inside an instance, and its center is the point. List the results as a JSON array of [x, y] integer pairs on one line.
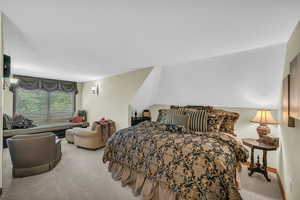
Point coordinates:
[[188, 162]]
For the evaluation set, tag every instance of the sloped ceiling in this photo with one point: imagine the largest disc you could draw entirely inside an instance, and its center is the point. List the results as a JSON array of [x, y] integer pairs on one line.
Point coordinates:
[[87, 40], [248, 79]]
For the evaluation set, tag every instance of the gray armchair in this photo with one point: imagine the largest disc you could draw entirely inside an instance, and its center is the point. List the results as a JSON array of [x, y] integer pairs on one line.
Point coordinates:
[[34, 154]]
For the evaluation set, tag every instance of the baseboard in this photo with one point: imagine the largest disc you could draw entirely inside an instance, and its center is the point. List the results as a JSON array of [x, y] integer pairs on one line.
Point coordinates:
[[281, 187], [274, 170]]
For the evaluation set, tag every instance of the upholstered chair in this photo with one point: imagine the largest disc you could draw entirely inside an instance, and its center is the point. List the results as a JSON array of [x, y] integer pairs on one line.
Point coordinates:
[[95, 137], [33, 154]]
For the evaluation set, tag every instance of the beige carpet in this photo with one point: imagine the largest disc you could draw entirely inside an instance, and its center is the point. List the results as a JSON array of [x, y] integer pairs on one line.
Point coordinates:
[[81, 175]]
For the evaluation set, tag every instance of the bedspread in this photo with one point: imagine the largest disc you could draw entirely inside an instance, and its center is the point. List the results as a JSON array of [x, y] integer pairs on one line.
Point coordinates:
[[187, 164]]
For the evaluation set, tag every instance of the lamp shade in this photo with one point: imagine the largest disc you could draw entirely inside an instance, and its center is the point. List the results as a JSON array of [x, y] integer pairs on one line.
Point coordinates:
[[264, 117]]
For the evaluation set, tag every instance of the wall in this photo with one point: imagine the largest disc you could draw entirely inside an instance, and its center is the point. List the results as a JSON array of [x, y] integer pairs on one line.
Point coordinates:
[[116, 94], [147, 93], [249, 79], [244, 129], [8, 100], [289, 162], [1, 97]]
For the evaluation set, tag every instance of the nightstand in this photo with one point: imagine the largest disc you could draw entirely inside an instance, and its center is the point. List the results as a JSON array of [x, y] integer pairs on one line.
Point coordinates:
[[137, 120], [257, 167]]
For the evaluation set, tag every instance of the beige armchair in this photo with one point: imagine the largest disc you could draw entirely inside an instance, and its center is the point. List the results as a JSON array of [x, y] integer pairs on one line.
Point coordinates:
[[95, 137], [34, 154]]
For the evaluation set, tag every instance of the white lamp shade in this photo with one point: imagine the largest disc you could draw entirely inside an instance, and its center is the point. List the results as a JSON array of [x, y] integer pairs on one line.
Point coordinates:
[[264, 117]]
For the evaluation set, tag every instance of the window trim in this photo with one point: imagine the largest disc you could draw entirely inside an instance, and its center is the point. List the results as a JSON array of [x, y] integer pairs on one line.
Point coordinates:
[[48, 109]]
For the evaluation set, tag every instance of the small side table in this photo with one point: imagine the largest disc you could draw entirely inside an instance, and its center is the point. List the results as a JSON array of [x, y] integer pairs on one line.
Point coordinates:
[[257, 167]]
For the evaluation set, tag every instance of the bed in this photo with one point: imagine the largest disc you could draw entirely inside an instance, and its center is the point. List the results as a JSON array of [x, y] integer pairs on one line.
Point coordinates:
[[167, 161]]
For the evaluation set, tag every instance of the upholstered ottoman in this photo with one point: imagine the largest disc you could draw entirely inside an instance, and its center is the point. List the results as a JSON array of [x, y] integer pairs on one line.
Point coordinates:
[[69, 135]]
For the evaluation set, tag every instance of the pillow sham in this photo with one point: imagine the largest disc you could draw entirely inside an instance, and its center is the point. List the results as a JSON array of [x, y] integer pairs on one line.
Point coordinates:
[[191, 108], [214, 122], [198, 121], [229, 120]]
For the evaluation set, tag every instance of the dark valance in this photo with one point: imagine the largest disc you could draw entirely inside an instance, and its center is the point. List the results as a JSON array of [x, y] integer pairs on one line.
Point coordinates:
[[32, 83]]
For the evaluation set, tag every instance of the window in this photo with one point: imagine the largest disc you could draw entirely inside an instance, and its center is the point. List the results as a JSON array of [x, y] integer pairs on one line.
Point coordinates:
[[43, 105]]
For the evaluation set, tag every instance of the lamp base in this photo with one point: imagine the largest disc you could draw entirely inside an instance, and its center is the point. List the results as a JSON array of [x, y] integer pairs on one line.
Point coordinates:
[[263, 130]]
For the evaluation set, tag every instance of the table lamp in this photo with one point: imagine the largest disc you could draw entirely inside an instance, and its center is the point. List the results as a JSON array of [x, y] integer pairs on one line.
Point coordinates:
[[263, 117]]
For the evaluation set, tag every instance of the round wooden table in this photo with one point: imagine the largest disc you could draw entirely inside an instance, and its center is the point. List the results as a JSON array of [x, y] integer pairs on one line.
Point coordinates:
[[257, 167]]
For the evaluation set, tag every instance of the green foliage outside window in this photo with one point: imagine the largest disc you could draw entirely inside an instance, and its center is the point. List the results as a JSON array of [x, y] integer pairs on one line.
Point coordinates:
[[43, 105]]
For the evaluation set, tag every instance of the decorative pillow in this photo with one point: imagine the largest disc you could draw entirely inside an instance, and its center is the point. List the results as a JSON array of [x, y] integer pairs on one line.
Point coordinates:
[[198, 121], [190, 108], [7, 122], [179, 120], [228, 123], [19, 121], [165, 116], [77, 119], [94, 125], [214, 122], [199, 107], [162, 116]]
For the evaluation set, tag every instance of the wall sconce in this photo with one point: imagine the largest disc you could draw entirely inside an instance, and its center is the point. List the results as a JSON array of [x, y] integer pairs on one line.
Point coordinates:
[[96, 90], [9, 82]]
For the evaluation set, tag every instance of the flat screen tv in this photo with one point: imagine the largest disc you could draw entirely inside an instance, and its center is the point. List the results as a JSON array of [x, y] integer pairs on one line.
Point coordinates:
[[6, 66]]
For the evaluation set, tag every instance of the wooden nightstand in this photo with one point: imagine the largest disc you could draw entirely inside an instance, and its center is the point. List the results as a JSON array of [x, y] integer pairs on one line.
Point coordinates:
[[257, 167]]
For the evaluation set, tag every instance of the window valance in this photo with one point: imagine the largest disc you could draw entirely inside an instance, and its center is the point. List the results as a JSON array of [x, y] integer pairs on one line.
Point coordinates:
[[32, 83]]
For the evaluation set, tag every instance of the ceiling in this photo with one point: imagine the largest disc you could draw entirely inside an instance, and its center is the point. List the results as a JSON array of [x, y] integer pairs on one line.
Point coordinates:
[[89, 39]]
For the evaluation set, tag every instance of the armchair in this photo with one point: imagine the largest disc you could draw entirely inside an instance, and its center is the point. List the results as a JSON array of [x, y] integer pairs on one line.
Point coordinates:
[[34, 154], [95, 137]]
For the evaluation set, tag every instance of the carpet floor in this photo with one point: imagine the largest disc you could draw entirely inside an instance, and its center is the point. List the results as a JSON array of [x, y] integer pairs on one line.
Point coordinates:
[[81, 175]]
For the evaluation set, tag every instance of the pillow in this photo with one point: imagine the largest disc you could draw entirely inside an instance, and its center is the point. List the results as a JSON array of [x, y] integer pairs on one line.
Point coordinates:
[[179, 120], [229, 120], [7, 122], [214, 122], [191, 108], [77, 119], [162, 116], [165, 115], [198, 121]]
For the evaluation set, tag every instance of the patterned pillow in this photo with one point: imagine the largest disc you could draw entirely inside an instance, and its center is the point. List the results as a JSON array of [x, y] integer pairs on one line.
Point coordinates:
[[228, 123], [191, 108], [198, 121], [214, 122], [162, 115]]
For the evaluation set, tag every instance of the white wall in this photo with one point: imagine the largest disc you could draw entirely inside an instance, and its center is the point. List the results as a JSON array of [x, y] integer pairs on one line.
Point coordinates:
[[249, 79], [116, 94], [1, 97], [243, 128], [289, 162], [146, 94]]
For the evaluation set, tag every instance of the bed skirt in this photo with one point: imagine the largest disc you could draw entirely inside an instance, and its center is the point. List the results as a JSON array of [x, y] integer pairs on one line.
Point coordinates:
[[150, 189]]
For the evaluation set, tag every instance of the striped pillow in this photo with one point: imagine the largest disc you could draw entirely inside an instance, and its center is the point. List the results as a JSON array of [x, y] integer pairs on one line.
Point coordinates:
[[171, 115], [165, 116], [198, 121]]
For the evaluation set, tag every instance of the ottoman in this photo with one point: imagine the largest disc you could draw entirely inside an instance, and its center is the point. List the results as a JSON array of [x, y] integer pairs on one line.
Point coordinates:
[[70, 135]]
